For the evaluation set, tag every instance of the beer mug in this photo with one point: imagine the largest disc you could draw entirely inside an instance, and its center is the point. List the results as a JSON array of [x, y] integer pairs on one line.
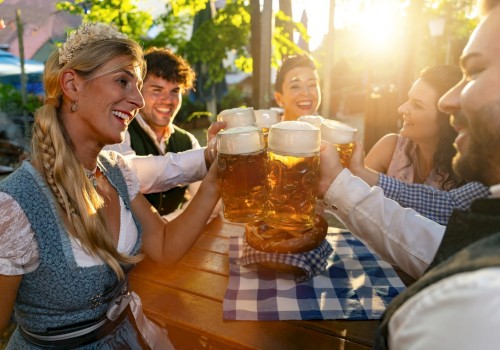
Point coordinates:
[[315, 120], [265, 118], [292, 175], [242, 167], [341, 135], [237, 117]]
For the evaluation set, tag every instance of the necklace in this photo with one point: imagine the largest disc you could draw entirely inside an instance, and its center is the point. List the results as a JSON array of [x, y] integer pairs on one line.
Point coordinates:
[[91, 175], [417, 166]]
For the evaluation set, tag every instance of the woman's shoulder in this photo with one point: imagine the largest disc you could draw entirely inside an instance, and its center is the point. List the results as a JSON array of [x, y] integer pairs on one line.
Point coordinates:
[[18, 248], [391, 139], [380, 155], [127, 169], [387, 143], [113, 156], [117, 159]]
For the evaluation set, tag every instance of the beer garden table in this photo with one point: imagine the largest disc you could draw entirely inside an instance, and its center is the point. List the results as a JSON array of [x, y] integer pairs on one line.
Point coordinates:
[[187, 299]]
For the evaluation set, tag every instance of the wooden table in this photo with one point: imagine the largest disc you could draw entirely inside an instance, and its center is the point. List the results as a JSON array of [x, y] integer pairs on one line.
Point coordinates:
[[187, 300]]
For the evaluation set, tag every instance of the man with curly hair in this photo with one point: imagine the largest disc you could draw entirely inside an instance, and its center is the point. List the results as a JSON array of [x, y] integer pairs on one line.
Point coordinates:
[[153, 132]]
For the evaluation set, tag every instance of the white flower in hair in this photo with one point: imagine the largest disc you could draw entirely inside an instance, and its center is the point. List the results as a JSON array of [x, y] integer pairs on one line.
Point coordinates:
[[85, 35]]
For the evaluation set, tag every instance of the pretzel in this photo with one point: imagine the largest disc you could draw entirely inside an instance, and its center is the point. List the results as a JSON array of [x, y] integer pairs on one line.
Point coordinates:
[[268, 239]]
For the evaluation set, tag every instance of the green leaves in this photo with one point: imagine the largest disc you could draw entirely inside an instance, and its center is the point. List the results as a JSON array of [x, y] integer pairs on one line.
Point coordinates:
[[209, 43], [123, 13]]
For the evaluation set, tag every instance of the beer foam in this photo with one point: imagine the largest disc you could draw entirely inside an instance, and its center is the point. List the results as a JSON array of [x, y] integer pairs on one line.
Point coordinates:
[[266, 117], [315, 120], [294, 137], [240, 140], [237, 117], [336, 132]]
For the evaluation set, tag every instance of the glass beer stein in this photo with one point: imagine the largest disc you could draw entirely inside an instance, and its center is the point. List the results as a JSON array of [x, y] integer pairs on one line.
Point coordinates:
[[315, 120], [242, 161], [237, 117], [265, 118], [292, 175], [340, 135]]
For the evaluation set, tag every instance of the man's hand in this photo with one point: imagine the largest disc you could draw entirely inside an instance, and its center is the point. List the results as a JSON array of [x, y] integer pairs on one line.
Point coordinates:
[[329, 167], [211, 152], [357, 165], [211, 149], [214, 129]]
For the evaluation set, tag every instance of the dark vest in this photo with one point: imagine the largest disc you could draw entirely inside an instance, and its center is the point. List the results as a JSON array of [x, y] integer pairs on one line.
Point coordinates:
[[168, 201], [60, 293], [471, 242]]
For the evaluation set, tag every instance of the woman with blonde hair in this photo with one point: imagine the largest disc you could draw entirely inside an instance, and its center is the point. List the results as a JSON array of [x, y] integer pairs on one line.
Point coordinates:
[[73, 220]]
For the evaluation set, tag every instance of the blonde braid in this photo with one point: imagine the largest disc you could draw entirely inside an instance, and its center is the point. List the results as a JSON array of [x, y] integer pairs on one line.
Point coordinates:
[[44, 153], [64, 175], [53, 153]]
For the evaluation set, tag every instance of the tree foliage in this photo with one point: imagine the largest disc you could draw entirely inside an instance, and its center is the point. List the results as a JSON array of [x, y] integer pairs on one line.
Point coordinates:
[[282, 42], [461, 15], [174, 25], [213, 39], [123, 13], [460, 18], [229, 31]]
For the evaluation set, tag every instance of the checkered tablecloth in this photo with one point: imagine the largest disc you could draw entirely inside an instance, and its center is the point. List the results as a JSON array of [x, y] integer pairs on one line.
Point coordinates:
[[356, 285], [310, 263]]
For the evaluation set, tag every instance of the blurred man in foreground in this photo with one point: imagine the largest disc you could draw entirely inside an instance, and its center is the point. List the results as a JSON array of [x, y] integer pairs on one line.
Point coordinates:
[[453, 303]]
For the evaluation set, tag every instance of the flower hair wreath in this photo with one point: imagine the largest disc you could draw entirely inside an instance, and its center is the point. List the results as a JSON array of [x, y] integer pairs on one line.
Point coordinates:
[[85, 35]]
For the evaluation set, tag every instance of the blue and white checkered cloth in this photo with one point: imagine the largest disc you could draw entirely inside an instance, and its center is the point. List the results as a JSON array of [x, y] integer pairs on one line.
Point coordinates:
[[311, 263], [432, 203], [356, 285]]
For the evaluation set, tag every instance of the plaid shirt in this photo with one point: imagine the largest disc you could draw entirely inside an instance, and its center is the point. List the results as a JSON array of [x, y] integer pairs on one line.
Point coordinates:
[[432, 203]]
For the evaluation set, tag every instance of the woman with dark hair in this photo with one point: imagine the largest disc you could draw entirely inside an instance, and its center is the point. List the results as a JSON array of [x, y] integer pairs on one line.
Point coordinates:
[[297, 88], [423, 150]]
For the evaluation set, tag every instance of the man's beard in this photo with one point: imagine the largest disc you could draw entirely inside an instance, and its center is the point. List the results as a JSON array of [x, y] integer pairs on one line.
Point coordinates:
[[467, 166], [481, 157]]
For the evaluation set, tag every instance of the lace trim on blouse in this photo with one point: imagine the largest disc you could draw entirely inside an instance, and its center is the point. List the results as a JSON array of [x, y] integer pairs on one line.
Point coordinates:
[[18, 247]]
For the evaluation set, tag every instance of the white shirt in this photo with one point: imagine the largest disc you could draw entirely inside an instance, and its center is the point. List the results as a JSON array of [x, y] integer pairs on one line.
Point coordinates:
[[161, 173], [458, 312], [183, 168], [400, 236]]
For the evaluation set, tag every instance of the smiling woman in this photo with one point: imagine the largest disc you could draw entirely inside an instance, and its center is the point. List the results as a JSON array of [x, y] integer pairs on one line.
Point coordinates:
[[297, 88], [73, 216], [423, 150]]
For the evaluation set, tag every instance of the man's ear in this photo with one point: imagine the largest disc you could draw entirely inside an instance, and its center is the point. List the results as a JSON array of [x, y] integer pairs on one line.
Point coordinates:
[[70, 84]]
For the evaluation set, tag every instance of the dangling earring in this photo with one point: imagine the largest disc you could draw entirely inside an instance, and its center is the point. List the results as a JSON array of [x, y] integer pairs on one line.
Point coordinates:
[[74, 106]]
